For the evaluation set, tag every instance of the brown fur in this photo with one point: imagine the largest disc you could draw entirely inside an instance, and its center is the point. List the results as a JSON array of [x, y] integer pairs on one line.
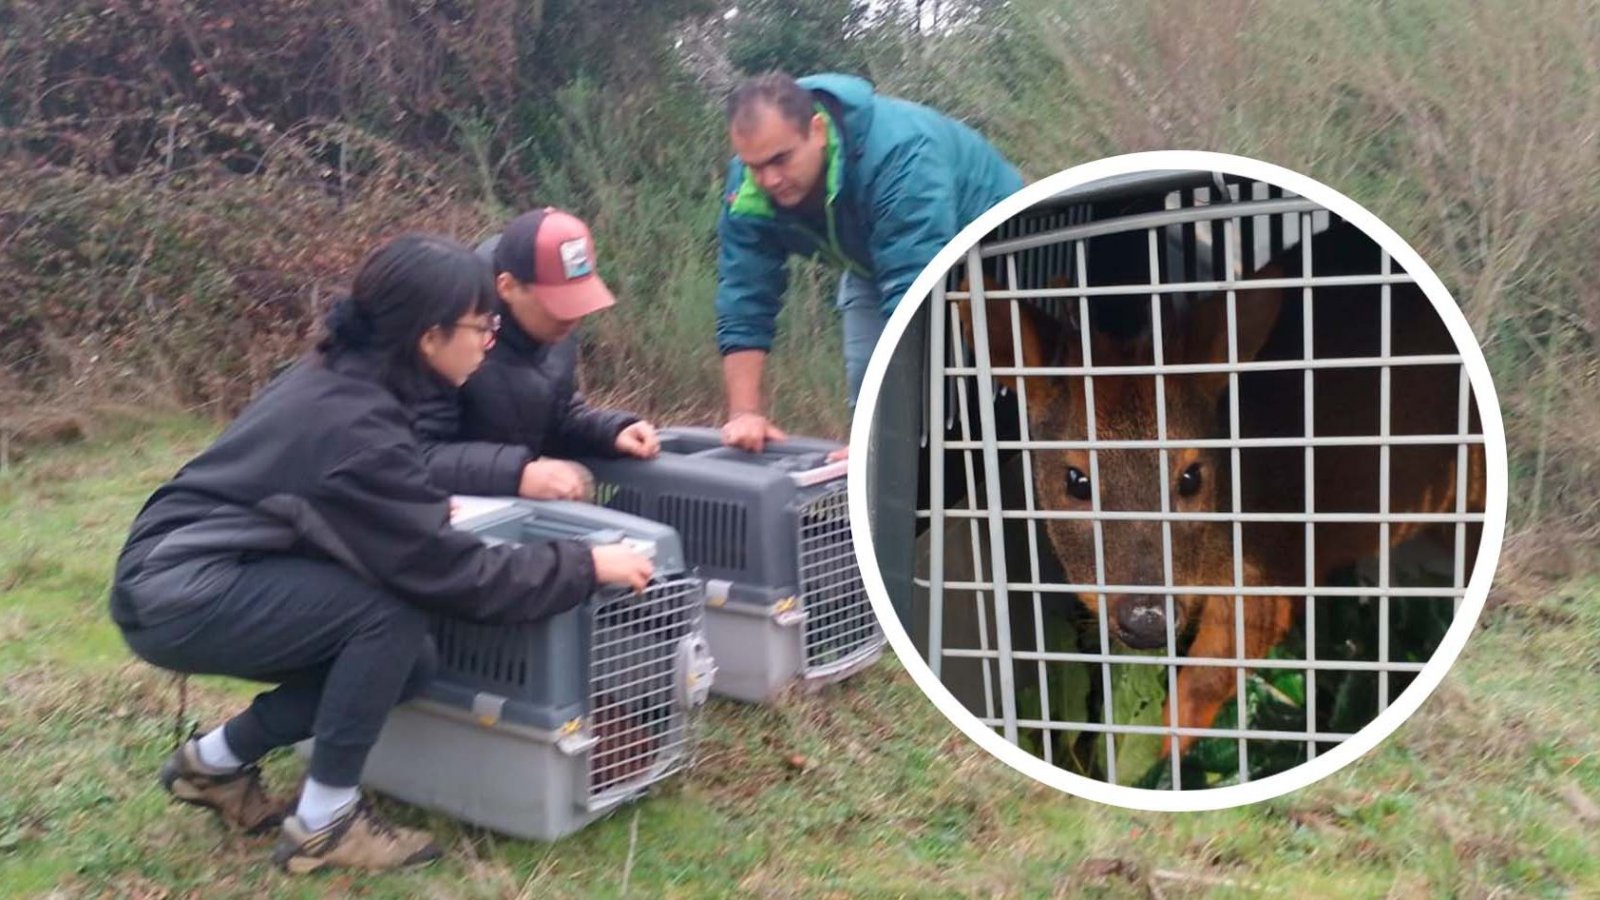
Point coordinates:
[[1422, 479], [625, 747]]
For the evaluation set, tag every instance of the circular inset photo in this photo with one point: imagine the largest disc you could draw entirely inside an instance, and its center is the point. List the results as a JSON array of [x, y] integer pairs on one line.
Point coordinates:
[[1185, 480]]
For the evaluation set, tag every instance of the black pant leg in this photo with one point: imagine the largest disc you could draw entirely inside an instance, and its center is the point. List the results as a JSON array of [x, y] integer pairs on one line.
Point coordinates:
[[342, 650]]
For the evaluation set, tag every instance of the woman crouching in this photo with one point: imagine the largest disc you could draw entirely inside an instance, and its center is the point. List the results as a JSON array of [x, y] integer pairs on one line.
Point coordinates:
[[306, 548]]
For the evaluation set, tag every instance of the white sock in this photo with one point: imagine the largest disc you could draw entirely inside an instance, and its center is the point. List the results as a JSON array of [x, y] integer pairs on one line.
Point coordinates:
[[216, 755], [321, 804]]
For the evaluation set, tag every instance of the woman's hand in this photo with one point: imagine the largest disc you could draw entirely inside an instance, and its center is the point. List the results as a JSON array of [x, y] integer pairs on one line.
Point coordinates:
[[615, 564]]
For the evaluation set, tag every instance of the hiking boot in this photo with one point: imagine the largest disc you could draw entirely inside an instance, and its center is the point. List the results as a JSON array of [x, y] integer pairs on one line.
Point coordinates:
[[358, 839], [238, 798]]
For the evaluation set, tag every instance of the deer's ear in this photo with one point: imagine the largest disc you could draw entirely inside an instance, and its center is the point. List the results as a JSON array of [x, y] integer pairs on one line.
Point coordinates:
[[1203, 336], [1039, 335]]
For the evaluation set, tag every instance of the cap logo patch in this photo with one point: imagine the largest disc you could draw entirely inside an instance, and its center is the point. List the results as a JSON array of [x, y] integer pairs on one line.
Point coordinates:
[[575, 258]]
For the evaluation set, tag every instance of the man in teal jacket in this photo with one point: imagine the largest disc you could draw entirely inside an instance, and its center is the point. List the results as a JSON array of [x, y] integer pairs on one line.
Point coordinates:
[[871, 184]]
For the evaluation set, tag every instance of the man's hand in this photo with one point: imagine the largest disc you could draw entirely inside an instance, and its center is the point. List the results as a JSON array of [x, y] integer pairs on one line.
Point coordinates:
[[841, 453], [616, 564], [751, 431], [747, 428], [555, 479], [639, 440]]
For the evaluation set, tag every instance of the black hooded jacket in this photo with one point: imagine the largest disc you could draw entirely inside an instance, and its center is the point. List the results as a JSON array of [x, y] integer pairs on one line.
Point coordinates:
[[324, 463]]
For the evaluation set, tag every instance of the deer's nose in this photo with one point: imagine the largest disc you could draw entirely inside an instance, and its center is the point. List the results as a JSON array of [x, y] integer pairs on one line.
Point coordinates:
[[1142, 621]]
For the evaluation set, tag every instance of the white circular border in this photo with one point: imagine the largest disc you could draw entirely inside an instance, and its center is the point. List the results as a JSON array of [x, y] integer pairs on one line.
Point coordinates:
[[1432, 672]]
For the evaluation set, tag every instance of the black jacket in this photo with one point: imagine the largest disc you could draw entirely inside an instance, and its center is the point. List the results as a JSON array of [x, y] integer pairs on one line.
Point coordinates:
[[523, 403], [324, 463]]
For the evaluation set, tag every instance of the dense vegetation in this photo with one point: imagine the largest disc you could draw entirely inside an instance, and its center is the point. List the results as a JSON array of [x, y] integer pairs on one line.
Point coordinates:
[[182, 185]]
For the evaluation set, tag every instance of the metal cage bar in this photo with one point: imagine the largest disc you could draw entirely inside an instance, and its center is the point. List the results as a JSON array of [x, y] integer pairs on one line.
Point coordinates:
[[936, 431], [1220, 662], [1197, 732], [1375, 362], [1123, 515], [1187, 287], [1196, 214], [1309, 349], [1211, 590], [991, 479], [1081, 258], [1157, 352], [1463, 417], [1384, 387], [1027, 487], [972, 504]]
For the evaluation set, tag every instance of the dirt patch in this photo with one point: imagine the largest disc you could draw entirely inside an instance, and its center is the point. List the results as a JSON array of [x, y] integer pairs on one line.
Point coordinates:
[[770, 880], [1103, 872], [13, 626], [1582, 805], [26, 430], [1538, 611], [1319, 819], [1534, 561], [1452, 727]]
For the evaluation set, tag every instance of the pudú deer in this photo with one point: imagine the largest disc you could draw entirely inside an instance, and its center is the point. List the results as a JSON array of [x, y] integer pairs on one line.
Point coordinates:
[[1346, 322], [631, 693]]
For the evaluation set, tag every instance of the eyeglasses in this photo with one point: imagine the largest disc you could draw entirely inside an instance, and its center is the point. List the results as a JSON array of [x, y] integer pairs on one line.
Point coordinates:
[[488, 331]]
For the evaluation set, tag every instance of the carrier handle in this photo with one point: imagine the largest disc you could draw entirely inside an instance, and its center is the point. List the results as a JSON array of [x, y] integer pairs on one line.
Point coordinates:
[[707, 442]]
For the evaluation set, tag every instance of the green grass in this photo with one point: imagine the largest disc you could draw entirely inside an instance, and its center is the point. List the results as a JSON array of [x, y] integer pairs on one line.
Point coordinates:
[[861, 791]]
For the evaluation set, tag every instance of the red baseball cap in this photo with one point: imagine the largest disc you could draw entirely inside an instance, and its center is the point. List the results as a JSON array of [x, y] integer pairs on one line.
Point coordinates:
[[552, 251]]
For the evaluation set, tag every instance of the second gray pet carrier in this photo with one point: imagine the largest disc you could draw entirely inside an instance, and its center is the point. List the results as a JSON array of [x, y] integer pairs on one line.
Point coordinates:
[[770, 534]]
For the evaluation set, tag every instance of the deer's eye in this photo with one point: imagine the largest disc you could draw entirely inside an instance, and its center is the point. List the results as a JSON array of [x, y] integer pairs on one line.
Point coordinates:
[[1189, 482], [1078, 484]]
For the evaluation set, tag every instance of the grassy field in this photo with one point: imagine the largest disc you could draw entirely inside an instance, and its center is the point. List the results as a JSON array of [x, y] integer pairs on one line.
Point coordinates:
[[864, 791]]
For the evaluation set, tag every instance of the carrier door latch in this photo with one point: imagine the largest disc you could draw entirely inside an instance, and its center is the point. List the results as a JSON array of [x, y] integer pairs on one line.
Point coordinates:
[[788, 612], [696, 671], [572, 739]]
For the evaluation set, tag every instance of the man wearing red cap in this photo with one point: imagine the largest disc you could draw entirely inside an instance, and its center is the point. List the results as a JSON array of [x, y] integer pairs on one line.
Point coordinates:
[[519, 419]]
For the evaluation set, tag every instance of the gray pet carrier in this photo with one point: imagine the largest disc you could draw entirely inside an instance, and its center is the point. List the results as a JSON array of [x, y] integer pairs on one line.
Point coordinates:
[[770, 534], [537, 730]]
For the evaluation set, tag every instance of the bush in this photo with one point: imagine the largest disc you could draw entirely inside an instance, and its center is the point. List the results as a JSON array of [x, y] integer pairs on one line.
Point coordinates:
[[190, 291]]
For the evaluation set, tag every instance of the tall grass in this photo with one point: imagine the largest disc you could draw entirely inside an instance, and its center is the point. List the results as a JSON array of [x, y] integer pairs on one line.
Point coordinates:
[[1469, 127]]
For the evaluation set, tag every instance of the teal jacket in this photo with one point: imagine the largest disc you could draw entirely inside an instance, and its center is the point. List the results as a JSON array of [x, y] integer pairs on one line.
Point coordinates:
[[901, 181]]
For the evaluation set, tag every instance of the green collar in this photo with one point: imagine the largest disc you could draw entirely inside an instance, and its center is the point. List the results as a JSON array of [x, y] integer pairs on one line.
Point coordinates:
[[751, 200], [835, 152]]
